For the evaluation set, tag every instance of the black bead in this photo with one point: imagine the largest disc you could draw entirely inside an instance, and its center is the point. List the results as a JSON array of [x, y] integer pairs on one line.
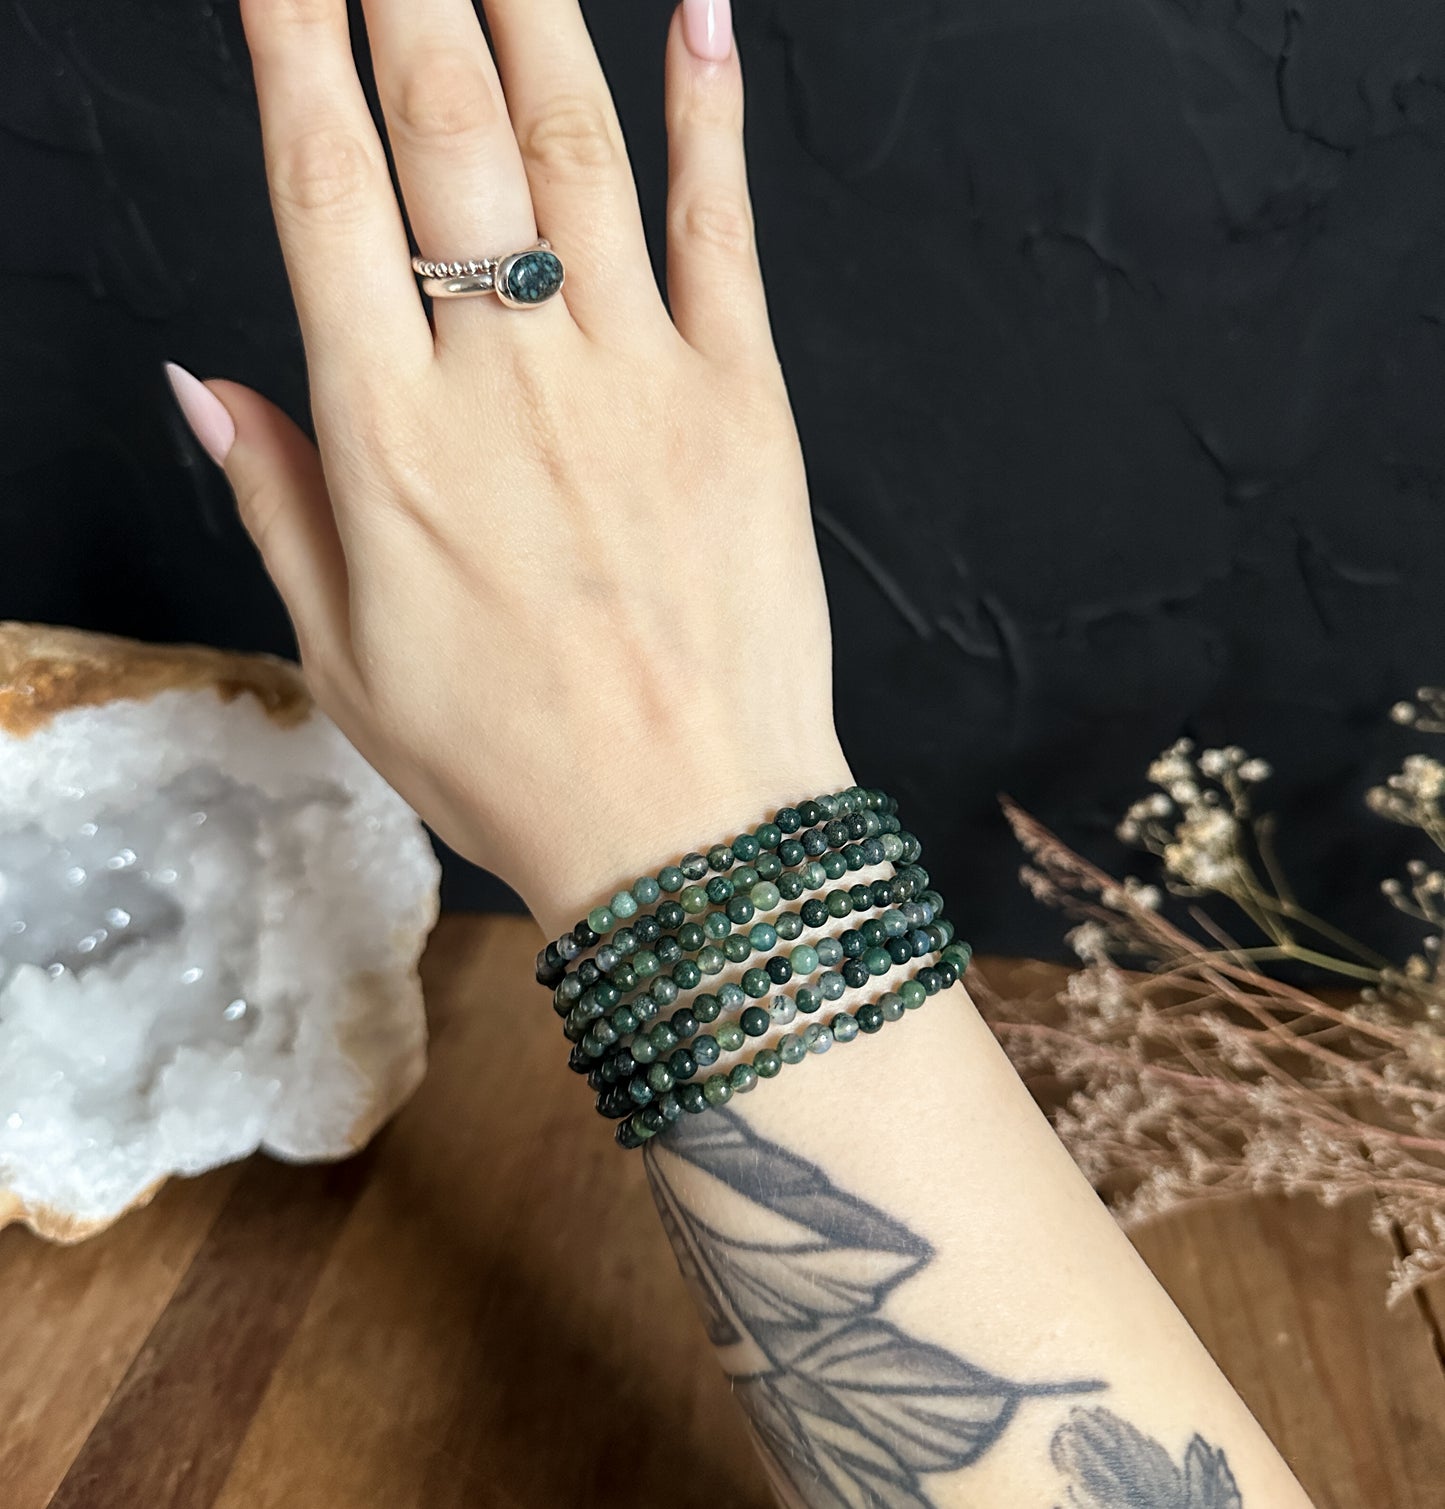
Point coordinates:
[[947, 971], [583, 933], [780, 971], [652, 1118], [755, 1021], [627, 1136], [578, 1062]]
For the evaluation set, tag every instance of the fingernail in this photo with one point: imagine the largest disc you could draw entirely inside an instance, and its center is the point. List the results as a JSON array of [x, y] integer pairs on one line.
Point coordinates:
[[205, 413], [707, 28]]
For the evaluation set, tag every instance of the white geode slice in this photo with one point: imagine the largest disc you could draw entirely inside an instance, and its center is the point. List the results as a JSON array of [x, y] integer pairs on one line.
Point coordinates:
[[211, 912]]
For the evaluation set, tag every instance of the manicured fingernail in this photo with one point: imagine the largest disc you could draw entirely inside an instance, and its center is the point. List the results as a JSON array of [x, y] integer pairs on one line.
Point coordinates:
[[205, 413], [707, 28]]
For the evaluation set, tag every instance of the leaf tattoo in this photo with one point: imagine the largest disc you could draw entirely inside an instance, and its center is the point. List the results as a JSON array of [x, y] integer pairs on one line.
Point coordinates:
[[852, 1411], [1111, 1465]]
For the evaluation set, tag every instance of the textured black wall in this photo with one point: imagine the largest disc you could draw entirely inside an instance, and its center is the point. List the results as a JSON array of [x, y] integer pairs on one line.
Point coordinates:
[[1115, 331]]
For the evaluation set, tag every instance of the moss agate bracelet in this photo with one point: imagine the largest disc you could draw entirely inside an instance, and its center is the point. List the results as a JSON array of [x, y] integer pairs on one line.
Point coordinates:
[[694, 1096], [671, 879], [646, 1077]]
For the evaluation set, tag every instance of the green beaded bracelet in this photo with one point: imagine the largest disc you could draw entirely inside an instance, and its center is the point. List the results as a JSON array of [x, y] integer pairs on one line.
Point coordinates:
[[671, 879], [655, 1073], [695, 1096]]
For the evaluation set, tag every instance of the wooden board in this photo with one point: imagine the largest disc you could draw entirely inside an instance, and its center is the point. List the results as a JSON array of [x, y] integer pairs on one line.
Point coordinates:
[[482, 1310]]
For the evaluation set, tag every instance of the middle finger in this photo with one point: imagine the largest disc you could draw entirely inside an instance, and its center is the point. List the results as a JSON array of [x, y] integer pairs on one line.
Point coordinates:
[[461, 173]]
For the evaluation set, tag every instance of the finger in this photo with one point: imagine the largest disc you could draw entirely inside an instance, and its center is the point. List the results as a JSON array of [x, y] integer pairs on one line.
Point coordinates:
[[714, 283], [576, 161], [461, 174], [275, 472], [341, 229]]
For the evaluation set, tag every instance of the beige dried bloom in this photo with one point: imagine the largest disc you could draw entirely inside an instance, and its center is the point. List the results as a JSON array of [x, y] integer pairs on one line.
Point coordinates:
[[1202, 1076]]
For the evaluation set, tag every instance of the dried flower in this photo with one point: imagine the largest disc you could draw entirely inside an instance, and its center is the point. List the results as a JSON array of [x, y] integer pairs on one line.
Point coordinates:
[[1202, 1076]]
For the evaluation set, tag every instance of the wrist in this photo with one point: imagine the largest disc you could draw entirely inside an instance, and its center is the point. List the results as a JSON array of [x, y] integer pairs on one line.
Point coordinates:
[[612, 847]]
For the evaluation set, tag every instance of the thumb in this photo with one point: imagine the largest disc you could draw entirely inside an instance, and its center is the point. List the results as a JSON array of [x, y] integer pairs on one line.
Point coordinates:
[[275, 472]]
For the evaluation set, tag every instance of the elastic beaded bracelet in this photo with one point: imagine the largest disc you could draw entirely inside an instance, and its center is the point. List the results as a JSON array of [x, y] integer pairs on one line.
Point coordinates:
[[655, 1074], [694, 1097], [608, 1000], [898, 935], [814, 864], [856, 800]]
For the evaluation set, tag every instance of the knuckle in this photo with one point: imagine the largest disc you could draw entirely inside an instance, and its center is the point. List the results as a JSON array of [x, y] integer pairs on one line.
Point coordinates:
[[724, 221], [282, 15], [572, 135], [444, 97], [325, 170]]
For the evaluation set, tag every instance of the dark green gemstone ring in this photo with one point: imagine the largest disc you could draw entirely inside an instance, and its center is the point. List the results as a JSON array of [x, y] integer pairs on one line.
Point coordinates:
[[522, 280]]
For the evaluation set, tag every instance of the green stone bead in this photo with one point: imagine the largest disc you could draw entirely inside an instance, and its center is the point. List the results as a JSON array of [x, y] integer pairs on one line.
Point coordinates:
[[745, 848], [844, 1028], [690, 937], [623, 905], [763, 936], [719, 890], [869, 1017], [815, 877], [642, 1050], [671, 880], [645, 890], [817, 1039], [892, 847], [807, 999], [717, 925], [755, 1021], [730, 1037], [706, 1007], [835, 867], [958, 954], [720, 858], [789, 925], [830, 952], [718, 1090], [624, 977], [745, 879], [737, 948], [804, 959], [764, 896], [767, 1062], [742, 1077], [660, 1079], [913, 994], [645, 963], [792, 1050], [694, 900], [710, 960], [687, 975], [692, 1098], [663, 1037], [769, 835], [601, 920], [877, 961], [663, 990], [732, 996], [740, 911], [839, 904], [757, 983], [705, 1050], [890, 1003]]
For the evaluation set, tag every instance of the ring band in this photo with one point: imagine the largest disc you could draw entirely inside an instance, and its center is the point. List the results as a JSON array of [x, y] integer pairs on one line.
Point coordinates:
[[521, 280]]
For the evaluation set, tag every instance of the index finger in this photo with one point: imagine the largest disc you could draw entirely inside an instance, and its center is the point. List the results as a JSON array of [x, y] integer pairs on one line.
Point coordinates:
[[341, 229]]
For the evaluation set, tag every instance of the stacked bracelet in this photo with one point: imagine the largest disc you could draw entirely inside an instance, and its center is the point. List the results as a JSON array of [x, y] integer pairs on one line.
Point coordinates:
[[648, 1073]]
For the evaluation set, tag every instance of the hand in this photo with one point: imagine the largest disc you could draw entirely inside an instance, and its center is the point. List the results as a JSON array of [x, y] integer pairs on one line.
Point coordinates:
[[551, 570]]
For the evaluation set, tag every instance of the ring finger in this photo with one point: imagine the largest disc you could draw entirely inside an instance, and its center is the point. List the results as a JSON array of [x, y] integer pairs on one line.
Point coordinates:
[[461, 173]]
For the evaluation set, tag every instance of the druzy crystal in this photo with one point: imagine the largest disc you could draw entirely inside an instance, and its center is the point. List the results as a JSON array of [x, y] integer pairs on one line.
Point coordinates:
[[211, 910]]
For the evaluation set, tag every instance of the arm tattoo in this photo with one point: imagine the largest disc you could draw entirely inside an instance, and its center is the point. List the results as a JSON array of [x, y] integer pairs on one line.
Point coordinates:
[[851, 1412]]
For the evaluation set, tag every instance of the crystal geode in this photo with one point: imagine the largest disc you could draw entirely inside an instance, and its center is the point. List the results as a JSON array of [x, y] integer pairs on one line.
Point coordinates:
[[211, 913]]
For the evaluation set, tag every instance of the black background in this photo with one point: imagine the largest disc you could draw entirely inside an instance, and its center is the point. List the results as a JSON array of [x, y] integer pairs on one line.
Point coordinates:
[[1115, 333]]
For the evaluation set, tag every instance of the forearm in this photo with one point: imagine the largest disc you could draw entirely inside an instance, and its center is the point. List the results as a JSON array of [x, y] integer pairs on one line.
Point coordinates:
[[919, 1298]]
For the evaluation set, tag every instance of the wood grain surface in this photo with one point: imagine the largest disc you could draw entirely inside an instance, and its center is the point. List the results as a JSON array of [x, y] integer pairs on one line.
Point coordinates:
[[482, 1310]]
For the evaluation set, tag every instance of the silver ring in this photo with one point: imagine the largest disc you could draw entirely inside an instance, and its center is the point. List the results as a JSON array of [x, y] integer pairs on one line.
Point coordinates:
[[521, 280]]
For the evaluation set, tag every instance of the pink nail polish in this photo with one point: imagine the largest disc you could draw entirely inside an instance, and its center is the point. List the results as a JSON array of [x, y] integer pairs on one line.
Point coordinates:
[[204, 412], [707, 28]]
